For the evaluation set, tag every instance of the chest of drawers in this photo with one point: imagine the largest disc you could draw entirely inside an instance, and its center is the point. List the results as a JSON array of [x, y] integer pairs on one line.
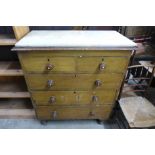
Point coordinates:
[[73, 80]]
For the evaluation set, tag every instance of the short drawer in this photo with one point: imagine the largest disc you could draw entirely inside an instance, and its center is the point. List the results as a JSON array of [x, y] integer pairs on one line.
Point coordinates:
[[73, 97], [73, 112], [73, 82], [37, 64], [102, 64]]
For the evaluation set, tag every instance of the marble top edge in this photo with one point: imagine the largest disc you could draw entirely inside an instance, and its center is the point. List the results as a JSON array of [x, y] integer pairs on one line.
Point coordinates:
[[74, 39], [69, 48]]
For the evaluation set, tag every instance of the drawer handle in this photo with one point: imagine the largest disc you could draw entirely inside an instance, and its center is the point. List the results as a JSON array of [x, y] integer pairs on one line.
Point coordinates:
[[50, 66], [54, 114], [50, 83], [92, 113], [98, 83], [52, 99], [101, 66], [95, 98]]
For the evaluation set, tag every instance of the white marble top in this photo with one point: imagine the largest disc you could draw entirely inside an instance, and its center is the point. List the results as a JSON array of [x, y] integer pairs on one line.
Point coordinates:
[[75, 39]]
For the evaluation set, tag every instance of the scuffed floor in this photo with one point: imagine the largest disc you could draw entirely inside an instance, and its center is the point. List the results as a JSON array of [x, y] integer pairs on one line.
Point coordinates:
[[74, 124]]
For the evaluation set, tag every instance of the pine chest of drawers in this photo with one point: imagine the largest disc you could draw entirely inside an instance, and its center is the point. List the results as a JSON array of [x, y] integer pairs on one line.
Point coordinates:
[[74, 74]]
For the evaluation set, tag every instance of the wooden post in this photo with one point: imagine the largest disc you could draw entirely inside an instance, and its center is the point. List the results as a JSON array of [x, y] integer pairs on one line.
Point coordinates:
[[20, 31]]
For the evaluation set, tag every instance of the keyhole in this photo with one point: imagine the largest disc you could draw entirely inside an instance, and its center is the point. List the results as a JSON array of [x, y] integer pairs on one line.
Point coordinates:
[[102, 59]]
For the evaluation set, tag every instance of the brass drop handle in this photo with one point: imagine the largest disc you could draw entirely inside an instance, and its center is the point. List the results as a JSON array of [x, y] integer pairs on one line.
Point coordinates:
[[52, 99], [95, 98], [50, 83], [98, 83], [101, 66], [54, 114], [50, 66]]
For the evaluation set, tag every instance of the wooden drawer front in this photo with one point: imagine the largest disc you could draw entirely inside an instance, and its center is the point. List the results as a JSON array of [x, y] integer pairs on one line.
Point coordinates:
[[73, 82], [75, 53], [43, 63], [73, 97], [70, 112], [102, 64], [48, 64]]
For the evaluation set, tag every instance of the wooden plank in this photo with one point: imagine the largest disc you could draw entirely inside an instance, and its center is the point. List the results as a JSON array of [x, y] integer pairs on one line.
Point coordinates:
[[13, 72], [10, 68], [12, 84], [77, 27], [147, 64], [9, 65], [17, 114], [6, 40], [15, 103], [13, 87], [128, 91], [20, 31], [14, 95]]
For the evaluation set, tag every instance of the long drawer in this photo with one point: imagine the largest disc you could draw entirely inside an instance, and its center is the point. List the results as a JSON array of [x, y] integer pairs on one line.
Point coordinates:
[[73, 112], [49, 64], [73, 81], [73, 97]]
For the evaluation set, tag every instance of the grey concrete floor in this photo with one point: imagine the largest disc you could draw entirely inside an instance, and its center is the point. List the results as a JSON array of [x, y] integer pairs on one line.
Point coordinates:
[[72, 124]]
